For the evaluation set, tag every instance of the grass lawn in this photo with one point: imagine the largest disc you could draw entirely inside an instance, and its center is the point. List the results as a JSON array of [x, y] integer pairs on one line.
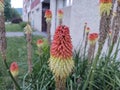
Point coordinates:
[[13, 28], [16, 51], [107, 76]]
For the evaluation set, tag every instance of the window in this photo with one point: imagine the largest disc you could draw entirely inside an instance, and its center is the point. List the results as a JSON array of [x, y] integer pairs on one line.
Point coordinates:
[[37, 9], [68, 2]]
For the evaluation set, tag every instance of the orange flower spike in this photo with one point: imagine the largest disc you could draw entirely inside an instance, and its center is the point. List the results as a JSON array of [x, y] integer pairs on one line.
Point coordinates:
[[105, 1], [60, 14], [87, 30], [14, 69], [93, 38], [61, 62], [48, 15], [39, 42], [110, 33], [105, 6]]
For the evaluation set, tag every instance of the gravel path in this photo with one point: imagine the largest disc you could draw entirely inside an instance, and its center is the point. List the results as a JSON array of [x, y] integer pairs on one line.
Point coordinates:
[[18, 34]]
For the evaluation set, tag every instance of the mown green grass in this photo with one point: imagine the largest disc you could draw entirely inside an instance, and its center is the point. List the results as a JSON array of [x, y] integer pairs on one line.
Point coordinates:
[[13, 28]]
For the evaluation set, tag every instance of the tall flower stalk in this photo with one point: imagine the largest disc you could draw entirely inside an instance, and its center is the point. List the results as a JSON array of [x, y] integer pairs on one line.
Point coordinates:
[[28, 32], [93, 37], [86, 30], [61, 60], [116, 30], [40, 46], [48, 16]]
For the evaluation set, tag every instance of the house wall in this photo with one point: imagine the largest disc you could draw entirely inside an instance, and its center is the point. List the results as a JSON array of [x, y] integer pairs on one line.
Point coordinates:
[[81, 12], [36, 17], [76, 15], [67, 15], [34, 11]]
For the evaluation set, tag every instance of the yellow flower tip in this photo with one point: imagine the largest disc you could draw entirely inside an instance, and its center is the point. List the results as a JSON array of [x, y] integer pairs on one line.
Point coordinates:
[[105, 6], [28, 29], [14, 69], [61, 62], [61, 68]]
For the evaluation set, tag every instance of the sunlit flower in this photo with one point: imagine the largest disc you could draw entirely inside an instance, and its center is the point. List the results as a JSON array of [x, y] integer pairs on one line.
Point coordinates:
[[14, 69], [60, 14], [105, 6], [61, 62], [39, 42], [93, 38], [48, 15]]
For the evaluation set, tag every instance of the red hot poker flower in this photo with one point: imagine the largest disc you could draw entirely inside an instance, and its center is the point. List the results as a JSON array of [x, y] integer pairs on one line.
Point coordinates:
[[48, 15], [14, 69], [87, 30], [39, 42], [93, 38], [61, 62], [105, 6], [60, 14], [110, 33], [105, 1]]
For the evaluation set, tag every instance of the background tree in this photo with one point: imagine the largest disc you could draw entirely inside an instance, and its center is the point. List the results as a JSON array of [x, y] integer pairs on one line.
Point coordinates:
[[10, 12], [7, 10]]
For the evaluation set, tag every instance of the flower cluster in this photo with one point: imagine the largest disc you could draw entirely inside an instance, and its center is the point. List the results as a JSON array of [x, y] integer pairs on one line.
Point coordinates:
[[93, 38], [60, 14], [14, 69], [105, 6], [48, 15], [39, 42], [87, 30], [61, 62], [28, 29]]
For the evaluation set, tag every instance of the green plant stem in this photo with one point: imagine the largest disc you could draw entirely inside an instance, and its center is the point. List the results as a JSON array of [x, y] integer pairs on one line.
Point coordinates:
[[86, 41], [109, 54], [116, 51], [16, 84], [93, 67]]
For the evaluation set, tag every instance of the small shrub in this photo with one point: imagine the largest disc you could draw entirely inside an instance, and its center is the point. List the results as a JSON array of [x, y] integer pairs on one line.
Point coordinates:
[[16, 20]]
